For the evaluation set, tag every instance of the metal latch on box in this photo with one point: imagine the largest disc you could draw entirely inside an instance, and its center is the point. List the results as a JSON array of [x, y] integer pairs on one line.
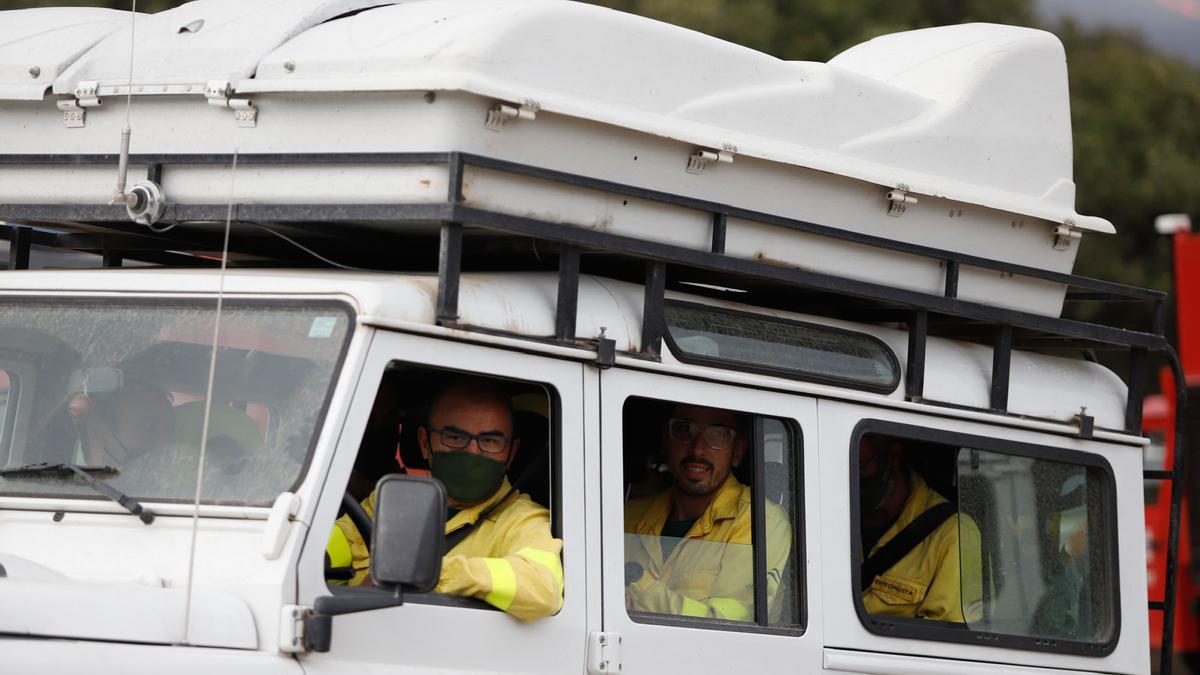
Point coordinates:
[[603, 653], [244, 113], [503, 112], [1063, 234], [75, 110], [702, 158], [898, 201]]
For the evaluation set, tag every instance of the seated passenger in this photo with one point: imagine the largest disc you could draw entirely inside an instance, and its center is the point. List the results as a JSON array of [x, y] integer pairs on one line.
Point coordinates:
[[688, 549], [508, 557], [232, 434], [935, 575], [121, 426]]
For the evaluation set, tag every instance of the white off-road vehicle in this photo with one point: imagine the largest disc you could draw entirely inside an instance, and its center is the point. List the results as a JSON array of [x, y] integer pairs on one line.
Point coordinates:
[[249, 238]]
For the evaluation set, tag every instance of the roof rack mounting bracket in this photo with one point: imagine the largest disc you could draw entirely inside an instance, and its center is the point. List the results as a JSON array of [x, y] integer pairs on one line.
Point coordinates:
[[503, 112], [702, 157], [898, 200], [75, 110], [218, 94], [1064, 234], [1087, 423]]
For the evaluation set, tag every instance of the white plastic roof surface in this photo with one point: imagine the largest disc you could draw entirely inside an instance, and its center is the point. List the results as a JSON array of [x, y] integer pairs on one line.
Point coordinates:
[[36, 45], [976, 113], [201, 41]]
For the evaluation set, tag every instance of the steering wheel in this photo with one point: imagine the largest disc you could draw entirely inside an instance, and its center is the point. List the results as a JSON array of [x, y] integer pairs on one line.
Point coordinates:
[[358, 516]]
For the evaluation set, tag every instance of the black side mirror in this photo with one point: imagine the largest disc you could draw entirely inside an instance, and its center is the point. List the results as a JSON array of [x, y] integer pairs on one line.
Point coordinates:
[[406, 553], [410, 521]]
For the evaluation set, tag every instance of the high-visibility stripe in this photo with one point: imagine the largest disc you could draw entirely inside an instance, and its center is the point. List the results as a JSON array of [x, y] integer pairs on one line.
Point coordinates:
[[546, 559], [693, 607], [728, 608], [504, 583]]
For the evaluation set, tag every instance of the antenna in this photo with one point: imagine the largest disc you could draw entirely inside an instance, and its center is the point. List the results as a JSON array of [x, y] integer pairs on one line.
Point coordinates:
[[146, 202], [208, 401]]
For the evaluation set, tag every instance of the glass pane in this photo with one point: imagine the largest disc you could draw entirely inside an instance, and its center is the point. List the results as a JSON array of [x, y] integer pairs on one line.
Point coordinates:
[[122, 384], [689, 522], [804, 349], [781, 491], [7, 392], [1044, 566]]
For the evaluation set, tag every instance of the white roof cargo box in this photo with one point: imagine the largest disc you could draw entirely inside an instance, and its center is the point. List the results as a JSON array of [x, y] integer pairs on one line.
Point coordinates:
[[955, 139]]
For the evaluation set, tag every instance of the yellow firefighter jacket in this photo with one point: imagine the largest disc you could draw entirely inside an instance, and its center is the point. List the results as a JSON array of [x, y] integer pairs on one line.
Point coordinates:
[[510, 560], [710, 573], [940, 578]]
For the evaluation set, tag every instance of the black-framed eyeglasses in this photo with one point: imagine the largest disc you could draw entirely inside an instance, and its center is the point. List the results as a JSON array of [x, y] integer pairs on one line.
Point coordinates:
[[457, 439], [716, 436]]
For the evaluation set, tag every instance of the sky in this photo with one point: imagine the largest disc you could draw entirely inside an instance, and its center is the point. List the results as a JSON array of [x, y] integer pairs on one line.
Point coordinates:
[[1172, 26]]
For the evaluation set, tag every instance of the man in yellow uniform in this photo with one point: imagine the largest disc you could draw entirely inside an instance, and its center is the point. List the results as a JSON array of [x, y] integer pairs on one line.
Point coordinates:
[[688, 550], [937, 574], [509, 559]]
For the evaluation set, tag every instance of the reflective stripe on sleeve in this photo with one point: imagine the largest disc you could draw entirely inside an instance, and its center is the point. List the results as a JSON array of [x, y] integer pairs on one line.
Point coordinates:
[[504, 583], [546, 559], [693, 607], [728, 608]]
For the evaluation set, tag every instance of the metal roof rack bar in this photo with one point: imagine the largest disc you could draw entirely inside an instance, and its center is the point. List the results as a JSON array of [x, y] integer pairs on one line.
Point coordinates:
[[565, 315], [914, 375]]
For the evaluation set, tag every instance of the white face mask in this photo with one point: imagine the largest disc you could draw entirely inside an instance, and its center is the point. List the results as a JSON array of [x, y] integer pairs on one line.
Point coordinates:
[[1072, 531]]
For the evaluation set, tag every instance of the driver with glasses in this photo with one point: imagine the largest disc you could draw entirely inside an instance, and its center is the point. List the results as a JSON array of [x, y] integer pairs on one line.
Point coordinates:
[[500, 548], [688, 549]]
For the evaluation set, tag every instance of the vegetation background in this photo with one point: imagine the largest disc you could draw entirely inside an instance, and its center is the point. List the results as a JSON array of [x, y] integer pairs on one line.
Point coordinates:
[[1135, 111]]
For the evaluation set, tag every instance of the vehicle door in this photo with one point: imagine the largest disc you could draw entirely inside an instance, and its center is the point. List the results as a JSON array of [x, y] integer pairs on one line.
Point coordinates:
[[444, 633], [735, 589], [1034, 566]]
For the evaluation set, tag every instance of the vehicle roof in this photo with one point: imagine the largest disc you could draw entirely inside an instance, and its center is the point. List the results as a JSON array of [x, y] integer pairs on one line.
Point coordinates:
[[977, 113], [524, 304]]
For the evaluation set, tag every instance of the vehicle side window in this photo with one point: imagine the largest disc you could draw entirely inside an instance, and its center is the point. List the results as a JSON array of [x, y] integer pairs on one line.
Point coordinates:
[[489, 442], [712, 516], [1003, 539]]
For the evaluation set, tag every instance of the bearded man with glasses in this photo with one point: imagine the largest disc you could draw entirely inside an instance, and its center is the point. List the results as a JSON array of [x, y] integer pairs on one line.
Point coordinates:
[[500, 546], [688, 549]]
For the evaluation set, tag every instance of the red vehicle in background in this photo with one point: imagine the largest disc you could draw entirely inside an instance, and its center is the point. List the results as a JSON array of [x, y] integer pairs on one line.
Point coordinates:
[[1158, 421]]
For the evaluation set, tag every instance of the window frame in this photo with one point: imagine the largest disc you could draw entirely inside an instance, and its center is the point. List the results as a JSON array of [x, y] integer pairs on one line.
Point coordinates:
[[758, 512], [554, 399], [189, 301], [758, 368], [921, 629]]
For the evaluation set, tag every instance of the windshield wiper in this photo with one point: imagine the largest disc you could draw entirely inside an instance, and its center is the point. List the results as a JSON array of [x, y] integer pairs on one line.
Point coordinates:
[[66, 468]]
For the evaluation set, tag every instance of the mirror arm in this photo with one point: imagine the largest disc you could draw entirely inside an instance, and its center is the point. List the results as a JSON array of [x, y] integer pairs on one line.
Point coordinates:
[[318, 627]]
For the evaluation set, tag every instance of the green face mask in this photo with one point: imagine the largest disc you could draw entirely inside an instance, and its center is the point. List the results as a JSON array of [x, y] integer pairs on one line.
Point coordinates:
[[469, 478]]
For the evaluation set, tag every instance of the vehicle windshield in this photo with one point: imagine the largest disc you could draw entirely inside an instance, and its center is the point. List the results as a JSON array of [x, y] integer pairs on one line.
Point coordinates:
[[122, 384]]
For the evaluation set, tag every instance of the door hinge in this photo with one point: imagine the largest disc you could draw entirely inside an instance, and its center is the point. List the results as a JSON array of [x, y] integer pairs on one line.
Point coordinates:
[[75, 110], [503, 112], [244, 113], [603, 653], [1064, 234], [291, 628], [898, 201], [702, 157]]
